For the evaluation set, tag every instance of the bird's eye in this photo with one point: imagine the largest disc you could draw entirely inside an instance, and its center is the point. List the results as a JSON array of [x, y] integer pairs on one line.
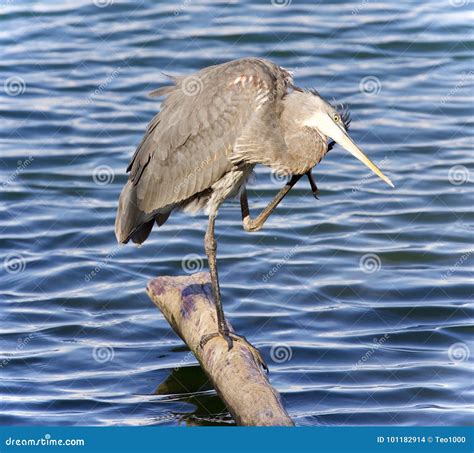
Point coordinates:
[[336, 117]]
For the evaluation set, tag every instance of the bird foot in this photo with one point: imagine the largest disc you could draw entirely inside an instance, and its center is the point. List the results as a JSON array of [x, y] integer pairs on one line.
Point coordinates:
[[230, 337]]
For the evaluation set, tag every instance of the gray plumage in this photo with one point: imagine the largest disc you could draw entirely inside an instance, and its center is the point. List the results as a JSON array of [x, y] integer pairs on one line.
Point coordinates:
[[212, 128]]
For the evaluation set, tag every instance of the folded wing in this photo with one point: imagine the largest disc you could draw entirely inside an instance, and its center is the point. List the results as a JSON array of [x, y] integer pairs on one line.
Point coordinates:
[[189, 145]]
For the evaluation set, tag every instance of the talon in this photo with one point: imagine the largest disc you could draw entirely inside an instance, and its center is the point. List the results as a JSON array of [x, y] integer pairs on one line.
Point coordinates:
[[206, 338], [230, 337], [253, 350]]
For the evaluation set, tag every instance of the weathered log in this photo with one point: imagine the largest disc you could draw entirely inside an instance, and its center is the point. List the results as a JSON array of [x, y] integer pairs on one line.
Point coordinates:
[[187, 304]]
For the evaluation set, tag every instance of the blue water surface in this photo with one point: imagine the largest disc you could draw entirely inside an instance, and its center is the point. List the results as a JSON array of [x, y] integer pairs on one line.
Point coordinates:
[[361, 302]]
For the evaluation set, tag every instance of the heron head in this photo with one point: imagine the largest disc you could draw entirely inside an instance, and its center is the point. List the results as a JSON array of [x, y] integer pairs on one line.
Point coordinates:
[[320, 115]]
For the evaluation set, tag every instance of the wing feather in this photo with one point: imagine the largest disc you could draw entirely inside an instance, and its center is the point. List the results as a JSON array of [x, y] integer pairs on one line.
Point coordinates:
[[189, 145]]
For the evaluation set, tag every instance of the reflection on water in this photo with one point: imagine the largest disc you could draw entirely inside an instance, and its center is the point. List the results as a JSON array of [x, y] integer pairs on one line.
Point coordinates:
[[360, 302], [190, 384]]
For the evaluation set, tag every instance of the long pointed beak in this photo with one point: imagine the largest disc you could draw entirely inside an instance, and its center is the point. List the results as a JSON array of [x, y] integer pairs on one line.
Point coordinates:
[[342, 138]]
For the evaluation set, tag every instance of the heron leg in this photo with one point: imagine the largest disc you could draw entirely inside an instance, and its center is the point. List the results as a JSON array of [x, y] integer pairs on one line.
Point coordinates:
[[312, 183], [210, 245], [257, 223]]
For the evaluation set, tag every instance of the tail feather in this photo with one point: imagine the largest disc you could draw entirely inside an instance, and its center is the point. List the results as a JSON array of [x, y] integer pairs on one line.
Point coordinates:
[[126, 214], [140, 235], [131, 222]]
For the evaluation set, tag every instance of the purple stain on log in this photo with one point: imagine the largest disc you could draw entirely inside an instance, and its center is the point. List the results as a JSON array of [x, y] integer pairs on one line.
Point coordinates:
[[196, 289], [188, 306], [156, 287], [207, 290], [191, 290]]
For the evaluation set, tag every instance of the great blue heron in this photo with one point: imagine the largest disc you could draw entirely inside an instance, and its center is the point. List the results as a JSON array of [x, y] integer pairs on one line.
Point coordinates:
[[213, 128]]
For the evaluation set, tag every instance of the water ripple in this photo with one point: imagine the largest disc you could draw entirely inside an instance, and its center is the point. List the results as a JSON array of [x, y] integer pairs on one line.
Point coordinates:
[[368, 289]]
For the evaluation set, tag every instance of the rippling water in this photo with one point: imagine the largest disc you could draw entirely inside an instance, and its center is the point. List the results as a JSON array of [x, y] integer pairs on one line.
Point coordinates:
[[361, 302]]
